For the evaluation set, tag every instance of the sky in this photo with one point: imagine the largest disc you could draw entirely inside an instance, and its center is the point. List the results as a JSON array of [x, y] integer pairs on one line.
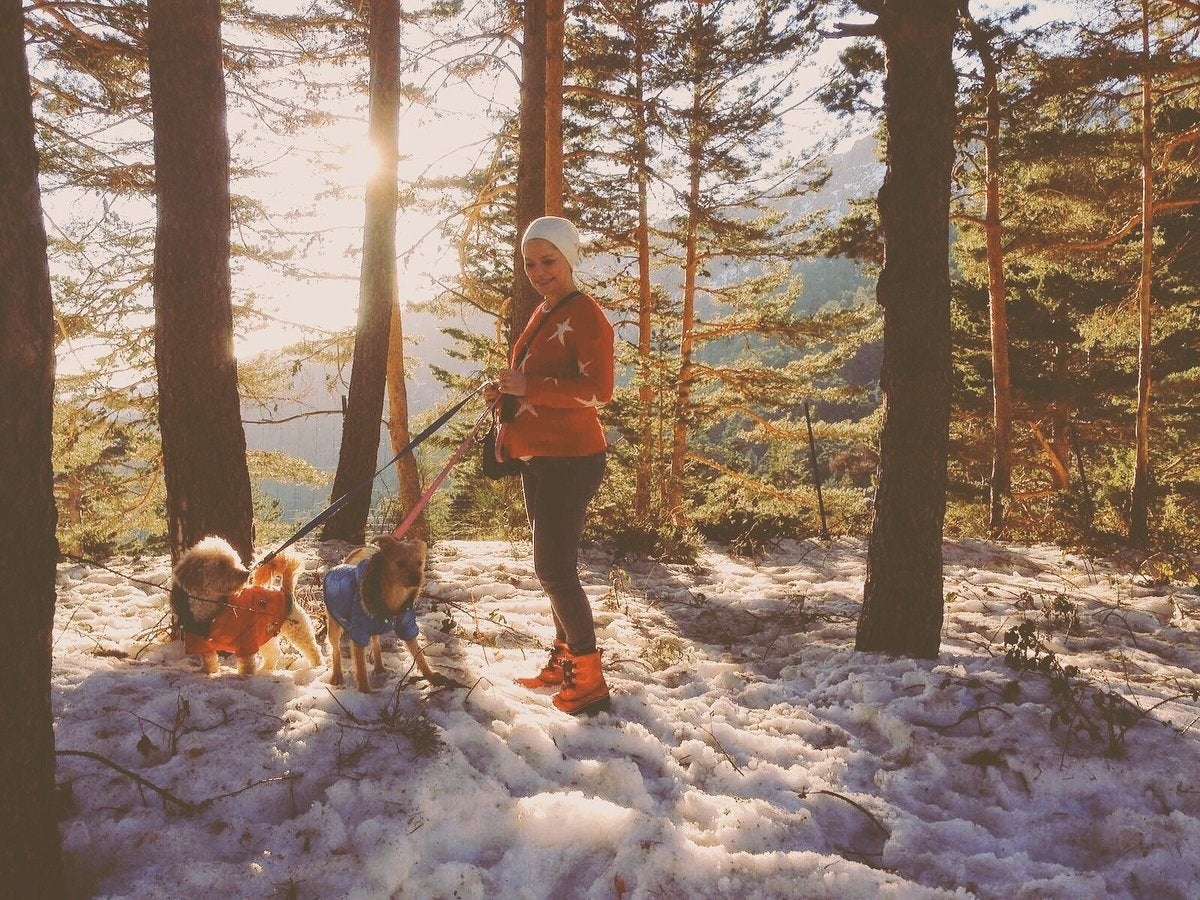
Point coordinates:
[[749, 751], [447, 138]]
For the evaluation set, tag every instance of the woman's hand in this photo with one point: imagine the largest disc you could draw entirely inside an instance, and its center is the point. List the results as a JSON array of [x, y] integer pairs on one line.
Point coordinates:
[[513, 382], [491, 393]]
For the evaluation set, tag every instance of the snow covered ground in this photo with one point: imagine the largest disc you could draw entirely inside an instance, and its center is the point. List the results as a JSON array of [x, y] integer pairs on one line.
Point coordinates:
[[750, 752]]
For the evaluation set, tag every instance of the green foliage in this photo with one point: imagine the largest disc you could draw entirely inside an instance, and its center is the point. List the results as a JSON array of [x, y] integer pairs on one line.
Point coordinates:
[[1082, 710], [665, 651], [108, 482], [751, 526], [612, 525]]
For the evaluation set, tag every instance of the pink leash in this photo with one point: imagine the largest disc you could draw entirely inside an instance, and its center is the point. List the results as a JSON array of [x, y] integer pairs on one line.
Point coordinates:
[[420, 505]]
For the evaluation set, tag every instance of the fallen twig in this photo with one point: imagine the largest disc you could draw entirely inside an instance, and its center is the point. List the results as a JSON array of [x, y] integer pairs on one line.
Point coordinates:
[[185, 805], [858, 806], [724, 753], [971, 713], [286, 777]]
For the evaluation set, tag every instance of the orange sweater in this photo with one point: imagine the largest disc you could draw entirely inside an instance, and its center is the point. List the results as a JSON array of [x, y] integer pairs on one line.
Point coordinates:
[[569, 371], [252, 618]]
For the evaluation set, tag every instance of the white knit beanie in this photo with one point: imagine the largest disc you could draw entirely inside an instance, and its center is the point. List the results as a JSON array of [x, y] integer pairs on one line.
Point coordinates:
[[559, 232]]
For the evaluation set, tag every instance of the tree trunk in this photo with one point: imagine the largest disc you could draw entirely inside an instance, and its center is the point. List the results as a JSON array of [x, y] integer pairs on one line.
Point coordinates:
[[531, 167], [407, 471], [204, 446], [555, 27], [644, 477], [1059, 447], [30, 861], [359, 454], [902, 599], [1001, 480], [1139, 501], [687, 341]]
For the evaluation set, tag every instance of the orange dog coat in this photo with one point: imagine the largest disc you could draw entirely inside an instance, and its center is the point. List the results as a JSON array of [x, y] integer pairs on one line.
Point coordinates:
[[252, 618]]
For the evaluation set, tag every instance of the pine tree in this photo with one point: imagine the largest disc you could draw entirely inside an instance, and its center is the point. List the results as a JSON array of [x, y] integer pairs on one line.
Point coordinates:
[[722, 131], [204, 446], [30, 861], [1083, 225], [92, 108], [616, 95], [902, 598], [378, 312]]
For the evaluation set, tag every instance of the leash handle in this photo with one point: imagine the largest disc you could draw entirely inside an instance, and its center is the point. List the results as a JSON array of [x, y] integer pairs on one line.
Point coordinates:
[[455, 459]]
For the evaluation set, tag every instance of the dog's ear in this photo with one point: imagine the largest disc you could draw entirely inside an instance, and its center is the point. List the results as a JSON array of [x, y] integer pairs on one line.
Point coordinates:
[[181, 573], [413, 548]]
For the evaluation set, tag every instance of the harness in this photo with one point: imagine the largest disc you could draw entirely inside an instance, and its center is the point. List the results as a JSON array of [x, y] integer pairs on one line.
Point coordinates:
[[249, 620], [343, 600]]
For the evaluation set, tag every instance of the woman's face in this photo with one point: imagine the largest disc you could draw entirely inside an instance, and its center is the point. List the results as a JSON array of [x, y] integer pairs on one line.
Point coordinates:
[[547, 270]]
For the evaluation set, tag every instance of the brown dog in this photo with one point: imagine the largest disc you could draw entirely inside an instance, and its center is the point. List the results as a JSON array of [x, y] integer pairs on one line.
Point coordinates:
[[222, 609], [373, 592]]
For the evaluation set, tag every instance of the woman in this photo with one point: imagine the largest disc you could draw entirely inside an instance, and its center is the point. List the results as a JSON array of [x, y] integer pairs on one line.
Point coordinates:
[[561, 372]]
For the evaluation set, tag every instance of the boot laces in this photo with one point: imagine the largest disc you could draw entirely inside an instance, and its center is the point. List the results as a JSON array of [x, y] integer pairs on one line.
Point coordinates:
[[568, 667]]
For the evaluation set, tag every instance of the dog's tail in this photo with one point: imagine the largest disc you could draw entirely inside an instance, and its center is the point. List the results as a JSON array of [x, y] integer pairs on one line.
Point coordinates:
[[287, 566]]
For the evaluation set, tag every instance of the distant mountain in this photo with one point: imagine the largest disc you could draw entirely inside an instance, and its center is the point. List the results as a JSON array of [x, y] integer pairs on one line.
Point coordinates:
[[856, 172]]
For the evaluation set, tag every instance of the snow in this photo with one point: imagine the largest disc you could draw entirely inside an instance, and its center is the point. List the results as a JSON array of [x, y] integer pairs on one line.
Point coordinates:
[[750, 751]]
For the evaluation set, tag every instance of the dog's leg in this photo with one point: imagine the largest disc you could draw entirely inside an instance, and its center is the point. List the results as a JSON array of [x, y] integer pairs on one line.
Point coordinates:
[[377, 654], [298, 629], [359, 655], [209, 663], [270, 654], [335, 650], [247, 665], [418, 655]]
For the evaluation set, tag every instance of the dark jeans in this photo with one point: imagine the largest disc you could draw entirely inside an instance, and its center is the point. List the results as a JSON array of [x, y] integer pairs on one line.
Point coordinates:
[[558, 490]]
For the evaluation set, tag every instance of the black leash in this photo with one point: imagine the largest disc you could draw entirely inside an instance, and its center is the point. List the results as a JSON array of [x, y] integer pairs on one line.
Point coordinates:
[[346, 497]]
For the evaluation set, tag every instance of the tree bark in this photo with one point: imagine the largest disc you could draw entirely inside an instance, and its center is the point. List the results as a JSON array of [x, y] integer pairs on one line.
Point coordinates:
[[30, 861], [902, 599], [1001, 479], [1139, 500], [531, 167], [644, 477], [358, 457], [387, 102], [204, 446], [407, 471], [555, 64], [687, 326]]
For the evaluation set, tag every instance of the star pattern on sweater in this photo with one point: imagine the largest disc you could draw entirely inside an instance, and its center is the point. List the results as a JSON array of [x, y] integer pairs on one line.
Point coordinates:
[[594, 403], [584, 365], [526, 407], [560, 332]]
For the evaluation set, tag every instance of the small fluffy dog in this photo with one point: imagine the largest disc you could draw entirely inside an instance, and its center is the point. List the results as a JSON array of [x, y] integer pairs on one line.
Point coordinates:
[[222, 609], [373, 592]]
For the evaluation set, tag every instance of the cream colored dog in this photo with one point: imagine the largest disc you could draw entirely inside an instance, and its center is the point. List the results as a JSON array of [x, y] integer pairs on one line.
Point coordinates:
[[221, 608]]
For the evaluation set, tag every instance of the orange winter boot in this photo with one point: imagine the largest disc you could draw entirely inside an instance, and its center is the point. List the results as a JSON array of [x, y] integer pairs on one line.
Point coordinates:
[[552, 672], [583, 690]]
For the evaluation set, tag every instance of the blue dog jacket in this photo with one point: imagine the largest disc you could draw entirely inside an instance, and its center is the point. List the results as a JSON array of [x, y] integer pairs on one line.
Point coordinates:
[[343, 600]]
